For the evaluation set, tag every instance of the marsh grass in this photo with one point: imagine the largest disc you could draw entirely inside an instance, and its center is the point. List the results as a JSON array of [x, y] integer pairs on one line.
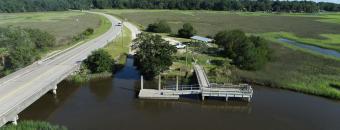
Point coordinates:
[[292, 68], [210, 22], [33, 125], [63, 25], [298, 71]]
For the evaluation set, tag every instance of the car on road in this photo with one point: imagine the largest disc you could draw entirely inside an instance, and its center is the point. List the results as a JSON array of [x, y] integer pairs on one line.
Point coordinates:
[[119, 24], [180, 46]]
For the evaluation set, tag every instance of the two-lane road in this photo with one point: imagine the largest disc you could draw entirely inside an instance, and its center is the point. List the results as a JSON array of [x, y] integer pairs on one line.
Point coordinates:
[[22, 88]]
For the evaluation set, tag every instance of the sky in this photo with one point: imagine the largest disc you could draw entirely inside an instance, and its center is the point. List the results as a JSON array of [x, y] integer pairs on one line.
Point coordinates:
[[333, 1]]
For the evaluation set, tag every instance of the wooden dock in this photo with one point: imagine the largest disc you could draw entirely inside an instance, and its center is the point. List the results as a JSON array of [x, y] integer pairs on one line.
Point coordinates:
[[204, 88]]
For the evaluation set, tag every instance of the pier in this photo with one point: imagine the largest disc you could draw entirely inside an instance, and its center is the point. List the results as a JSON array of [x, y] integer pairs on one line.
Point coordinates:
[[204, 88]]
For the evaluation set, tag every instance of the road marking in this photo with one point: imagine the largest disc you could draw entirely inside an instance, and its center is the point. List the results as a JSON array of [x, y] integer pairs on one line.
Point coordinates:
[[111, 18], [50, 70]]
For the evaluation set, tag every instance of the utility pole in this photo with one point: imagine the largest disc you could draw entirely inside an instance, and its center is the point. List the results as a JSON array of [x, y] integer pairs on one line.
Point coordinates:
[[122, 31], [186, 56]]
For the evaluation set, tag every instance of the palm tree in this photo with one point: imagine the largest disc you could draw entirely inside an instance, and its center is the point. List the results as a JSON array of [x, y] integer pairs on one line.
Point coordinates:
[[3, 54]]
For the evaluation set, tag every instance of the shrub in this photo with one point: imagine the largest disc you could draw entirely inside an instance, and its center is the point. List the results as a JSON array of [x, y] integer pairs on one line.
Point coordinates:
[[41, 39], [250, 53], [186, 31], [99, 61], [160, 27], [88, 31]]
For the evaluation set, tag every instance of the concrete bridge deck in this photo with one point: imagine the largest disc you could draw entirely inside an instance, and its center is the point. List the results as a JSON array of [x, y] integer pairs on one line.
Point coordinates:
[[22, 88]]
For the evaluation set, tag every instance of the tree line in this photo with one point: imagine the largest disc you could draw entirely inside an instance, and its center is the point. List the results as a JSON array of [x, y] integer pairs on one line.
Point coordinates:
[[222, 5], [20, 47]]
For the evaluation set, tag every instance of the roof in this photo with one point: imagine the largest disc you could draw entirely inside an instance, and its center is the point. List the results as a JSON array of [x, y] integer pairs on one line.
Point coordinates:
[[203, 39]]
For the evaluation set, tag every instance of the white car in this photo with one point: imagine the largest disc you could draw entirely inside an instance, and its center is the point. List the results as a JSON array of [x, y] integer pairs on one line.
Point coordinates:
[[180, 46]]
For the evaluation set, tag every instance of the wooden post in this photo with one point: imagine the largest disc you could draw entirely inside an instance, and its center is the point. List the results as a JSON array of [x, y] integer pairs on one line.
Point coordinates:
[[159, 82], [176, 83], [141, 82]]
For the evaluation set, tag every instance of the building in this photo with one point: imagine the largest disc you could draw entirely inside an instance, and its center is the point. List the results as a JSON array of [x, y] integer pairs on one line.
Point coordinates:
[[201, 39]]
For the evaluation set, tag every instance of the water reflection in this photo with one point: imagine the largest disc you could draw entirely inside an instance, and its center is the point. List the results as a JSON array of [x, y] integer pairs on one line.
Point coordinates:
[[49, 102], [101, 88], [111, 103], [164, 105]]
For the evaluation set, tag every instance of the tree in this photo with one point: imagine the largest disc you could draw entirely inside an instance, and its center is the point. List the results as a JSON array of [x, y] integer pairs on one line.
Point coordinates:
[[21, 49], [230, 41], [250, 53], [154, 54], [187, 31], [99, 61], [159, 27], [41, 39]]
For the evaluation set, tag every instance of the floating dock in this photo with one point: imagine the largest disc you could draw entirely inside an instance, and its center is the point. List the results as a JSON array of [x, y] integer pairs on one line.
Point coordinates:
[[204, 88]]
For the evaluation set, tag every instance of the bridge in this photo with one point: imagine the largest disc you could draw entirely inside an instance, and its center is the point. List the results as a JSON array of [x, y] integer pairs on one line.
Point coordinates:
[[204, 88], [23, 87]]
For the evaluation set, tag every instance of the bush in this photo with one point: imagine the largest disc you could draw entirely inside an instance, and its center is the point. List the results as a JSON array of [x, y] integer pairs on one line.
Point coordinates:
[[99, 61], [187, 31], [84, 34], [21, 46], [88, 31], [250, 53], [160, 27], [41, 39]]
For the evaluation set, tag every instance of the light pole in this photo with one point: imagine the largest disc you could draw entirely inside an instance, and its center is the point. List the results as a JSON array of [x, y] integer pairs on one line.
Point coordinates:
[[122, 31]]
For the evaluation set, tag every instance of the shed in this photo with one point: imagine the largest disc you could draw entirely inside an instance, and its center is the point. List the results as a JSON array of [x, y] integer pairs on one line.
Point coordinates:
[[201, 39]]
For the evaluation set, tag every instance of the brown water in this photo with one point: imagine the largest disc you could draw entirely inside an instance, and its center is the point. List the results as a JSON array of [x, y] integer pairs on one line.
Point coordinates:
[[111, 103]]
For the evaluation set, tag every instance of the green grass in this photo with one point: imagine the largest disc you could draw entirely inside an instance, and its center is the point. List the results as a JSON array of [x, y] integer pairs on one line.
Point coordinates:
[[330, 41], [209, 22], [299, 71], [317, 29], [292, 68], [63, 25], [119, 48], [33, 125]]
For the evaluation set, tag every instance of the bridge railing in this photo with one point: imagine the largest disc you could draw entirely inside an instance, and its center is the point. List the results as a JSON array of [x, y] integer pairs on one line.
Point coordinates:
[[197, 69], [182, 87], [244, 88]]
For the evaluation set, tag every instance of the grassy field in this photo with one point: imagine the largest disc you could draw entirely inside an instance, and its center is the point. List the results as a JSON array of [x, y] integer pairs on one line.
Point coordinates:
[[119, 48], [63, 25], [298, 71], [292, 68], [317, 29]]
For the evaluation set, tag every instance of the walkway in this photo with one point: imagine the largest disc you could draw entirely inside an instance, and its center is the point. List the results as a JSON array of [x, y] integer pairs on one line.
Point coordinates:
[[204, 88]]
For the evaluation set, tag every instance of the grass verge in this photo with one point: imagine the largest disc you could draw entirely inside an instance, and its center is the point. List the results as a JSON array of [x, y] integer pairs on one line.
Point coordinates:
[[118, 49]]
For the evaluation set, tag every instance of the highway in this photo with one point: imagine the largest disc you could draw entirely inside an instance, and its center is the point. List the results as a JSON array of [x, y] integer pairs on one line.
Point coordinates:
[[23, 87]]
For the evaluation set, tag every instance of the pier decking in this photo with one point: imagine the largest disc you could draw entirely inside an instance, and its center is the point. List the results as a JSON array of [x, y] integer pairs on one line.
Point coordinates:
[[204, 88]]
